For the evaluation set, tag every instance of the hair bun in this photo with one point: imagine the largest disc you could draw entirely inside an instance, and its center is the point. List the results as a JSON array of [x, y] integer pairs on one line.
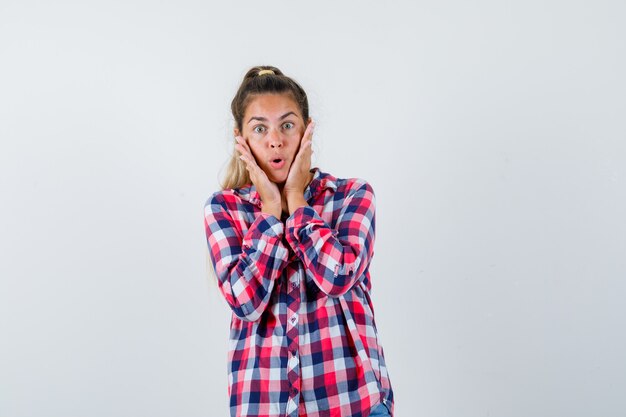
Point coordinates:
[[262, 70]]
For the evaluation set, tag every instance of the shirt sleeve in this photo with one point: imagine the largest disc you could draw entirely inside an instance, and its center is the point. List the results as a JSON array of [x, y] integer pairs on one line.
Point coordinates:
[[336, 257], [246, 264]]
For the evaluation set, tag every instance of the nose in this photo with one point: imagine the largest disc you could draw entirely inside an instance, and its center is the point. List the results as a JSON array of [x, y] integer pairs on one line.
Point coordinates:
[[275, 139]]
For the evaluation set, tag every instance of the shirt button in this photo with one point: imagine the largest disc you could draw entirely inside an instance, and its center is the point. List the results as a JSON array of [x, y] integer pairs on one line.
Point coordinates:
[[294, 319], [293, 363], [294, 352]]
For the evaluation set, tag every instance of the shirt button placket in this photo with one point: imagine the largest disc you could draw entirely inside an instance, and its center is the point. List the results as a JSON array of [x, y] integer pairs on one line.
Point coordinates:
[[293, 365]]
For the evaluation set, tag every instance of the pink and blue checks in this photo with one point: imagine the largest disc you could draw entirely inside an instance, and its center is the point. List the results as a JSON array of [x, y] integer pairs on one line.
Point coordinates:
[[303, 339]]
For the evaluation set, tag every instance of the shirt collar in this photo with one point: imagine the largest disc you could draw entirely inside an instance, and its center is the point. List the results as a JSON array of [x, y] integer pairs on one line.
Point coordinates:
[[321, 181]]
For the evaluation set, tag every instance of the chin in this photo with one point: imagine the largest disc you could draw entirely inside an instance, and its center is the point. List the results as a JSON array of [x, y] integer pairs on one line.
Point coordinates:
[[279, 181]]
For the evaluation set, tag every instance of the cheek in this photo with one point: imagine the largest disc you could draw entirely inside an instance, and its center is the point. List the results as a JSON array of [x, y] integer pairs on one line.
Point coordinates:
[[295, 137], [254, 148], [293, 150]]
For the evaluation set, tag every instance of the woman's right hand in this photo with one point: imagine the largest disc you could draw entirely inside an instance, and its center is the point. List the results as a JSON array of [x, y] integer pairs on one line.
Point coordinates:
[[268, 191]]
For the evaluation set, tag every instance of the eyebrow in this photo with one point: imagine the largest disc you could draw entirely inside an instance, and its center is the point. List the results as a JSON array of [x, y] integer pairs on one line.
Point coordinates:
[[263, 119]]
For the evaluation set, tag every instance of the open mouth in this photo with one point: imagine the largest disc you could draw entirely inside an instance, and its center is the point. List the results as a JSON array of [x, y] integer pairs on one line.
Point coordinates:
[[277, 163]]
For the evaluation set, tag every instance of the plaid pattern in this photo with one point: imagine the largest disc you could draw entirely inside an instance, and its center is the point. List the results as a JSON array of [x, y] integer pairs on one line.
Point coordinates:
[[303, 339]]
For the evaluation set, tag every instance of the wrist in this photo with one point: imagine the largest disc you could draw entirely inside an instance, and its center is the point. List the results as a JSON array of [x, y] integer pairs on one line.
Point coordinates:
[[295, 201], [293, 193], [272, 209]]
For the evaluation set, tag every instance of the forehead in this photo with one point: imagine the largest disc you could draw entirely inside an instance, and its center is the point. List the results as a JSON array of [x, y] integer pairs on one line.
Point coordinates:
[[271, 105]]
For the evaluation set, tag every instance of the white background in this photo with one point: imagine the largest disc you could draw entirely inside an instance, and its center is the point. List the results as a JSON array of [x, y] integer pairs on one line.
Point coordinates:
[[492, 132]]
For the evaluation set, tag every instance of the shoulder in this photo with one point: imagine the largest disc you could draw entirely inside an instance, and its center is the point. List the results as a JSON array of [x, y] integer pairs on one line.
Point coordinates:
[[220, 198], [345, 190], [231, 199], [351, 186]]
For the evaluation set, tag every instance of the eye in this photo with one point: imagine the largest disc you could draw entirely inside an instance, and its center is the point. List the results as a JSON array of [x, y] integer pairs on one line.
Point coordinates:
[[288, 125], [259, 129]]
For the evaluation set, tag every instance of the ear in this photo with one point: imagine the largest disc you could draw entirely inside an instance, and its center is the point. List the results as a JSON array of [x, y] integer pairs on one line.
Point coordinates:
[[236, 132]]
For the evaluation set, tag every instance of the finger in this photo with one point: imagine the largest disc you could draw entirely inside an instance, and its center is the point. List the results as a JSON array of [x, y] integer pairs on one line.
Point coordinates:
[[305, 149], [240, 141], [241, 149], [249, 162], [245, 152], [246, 161], [308, 133], [244, 142], [310, 129], [250, 165]]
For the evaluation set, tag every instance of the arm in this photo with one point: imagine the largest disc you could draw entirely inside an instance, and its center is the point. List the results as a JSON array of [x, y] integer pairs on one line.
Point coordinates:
[[336, 258], [246, 266]]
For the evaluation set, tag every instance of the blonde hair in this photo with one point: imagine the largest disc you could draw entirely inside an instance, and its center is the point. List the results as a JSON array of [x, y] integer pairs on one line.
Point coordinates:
[[236, 173]]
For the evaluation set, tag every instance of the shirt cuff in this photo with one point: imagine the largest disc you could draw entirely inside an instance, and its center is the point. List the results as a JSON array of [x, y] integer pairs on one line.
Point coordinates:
[[264, 226], [301, 219]]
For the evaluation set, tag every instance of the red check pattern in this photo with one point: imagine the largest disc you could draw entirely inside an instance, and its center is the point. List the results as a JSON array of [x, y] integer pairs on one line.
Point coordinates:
[[303, 340]]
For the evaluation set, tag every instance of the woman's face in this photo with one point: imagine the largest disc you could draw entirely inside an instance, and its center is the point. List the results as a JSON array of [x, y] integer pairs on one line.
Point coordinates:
[[273, 127]]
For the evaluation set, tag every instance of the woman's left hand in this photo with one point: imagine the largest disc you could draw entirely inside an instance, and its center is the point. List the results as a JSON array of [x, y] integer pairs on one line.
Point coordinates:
[[299, 173]]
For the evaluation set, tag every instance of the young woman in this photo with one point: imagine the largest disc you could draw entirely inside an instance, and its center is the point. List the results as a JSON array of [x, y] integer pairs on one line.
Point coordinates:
[[291, 248]]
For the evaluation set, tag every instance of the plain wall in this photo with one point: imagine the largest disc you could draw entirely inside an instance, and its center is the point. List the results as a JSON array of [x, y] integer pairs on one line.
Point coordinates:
[[492, 132]]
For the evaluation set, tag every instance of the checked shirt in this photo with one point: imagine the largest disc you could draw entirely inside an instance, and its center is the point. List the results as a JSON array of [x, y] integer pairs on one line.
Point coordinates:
[[303, 340]]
